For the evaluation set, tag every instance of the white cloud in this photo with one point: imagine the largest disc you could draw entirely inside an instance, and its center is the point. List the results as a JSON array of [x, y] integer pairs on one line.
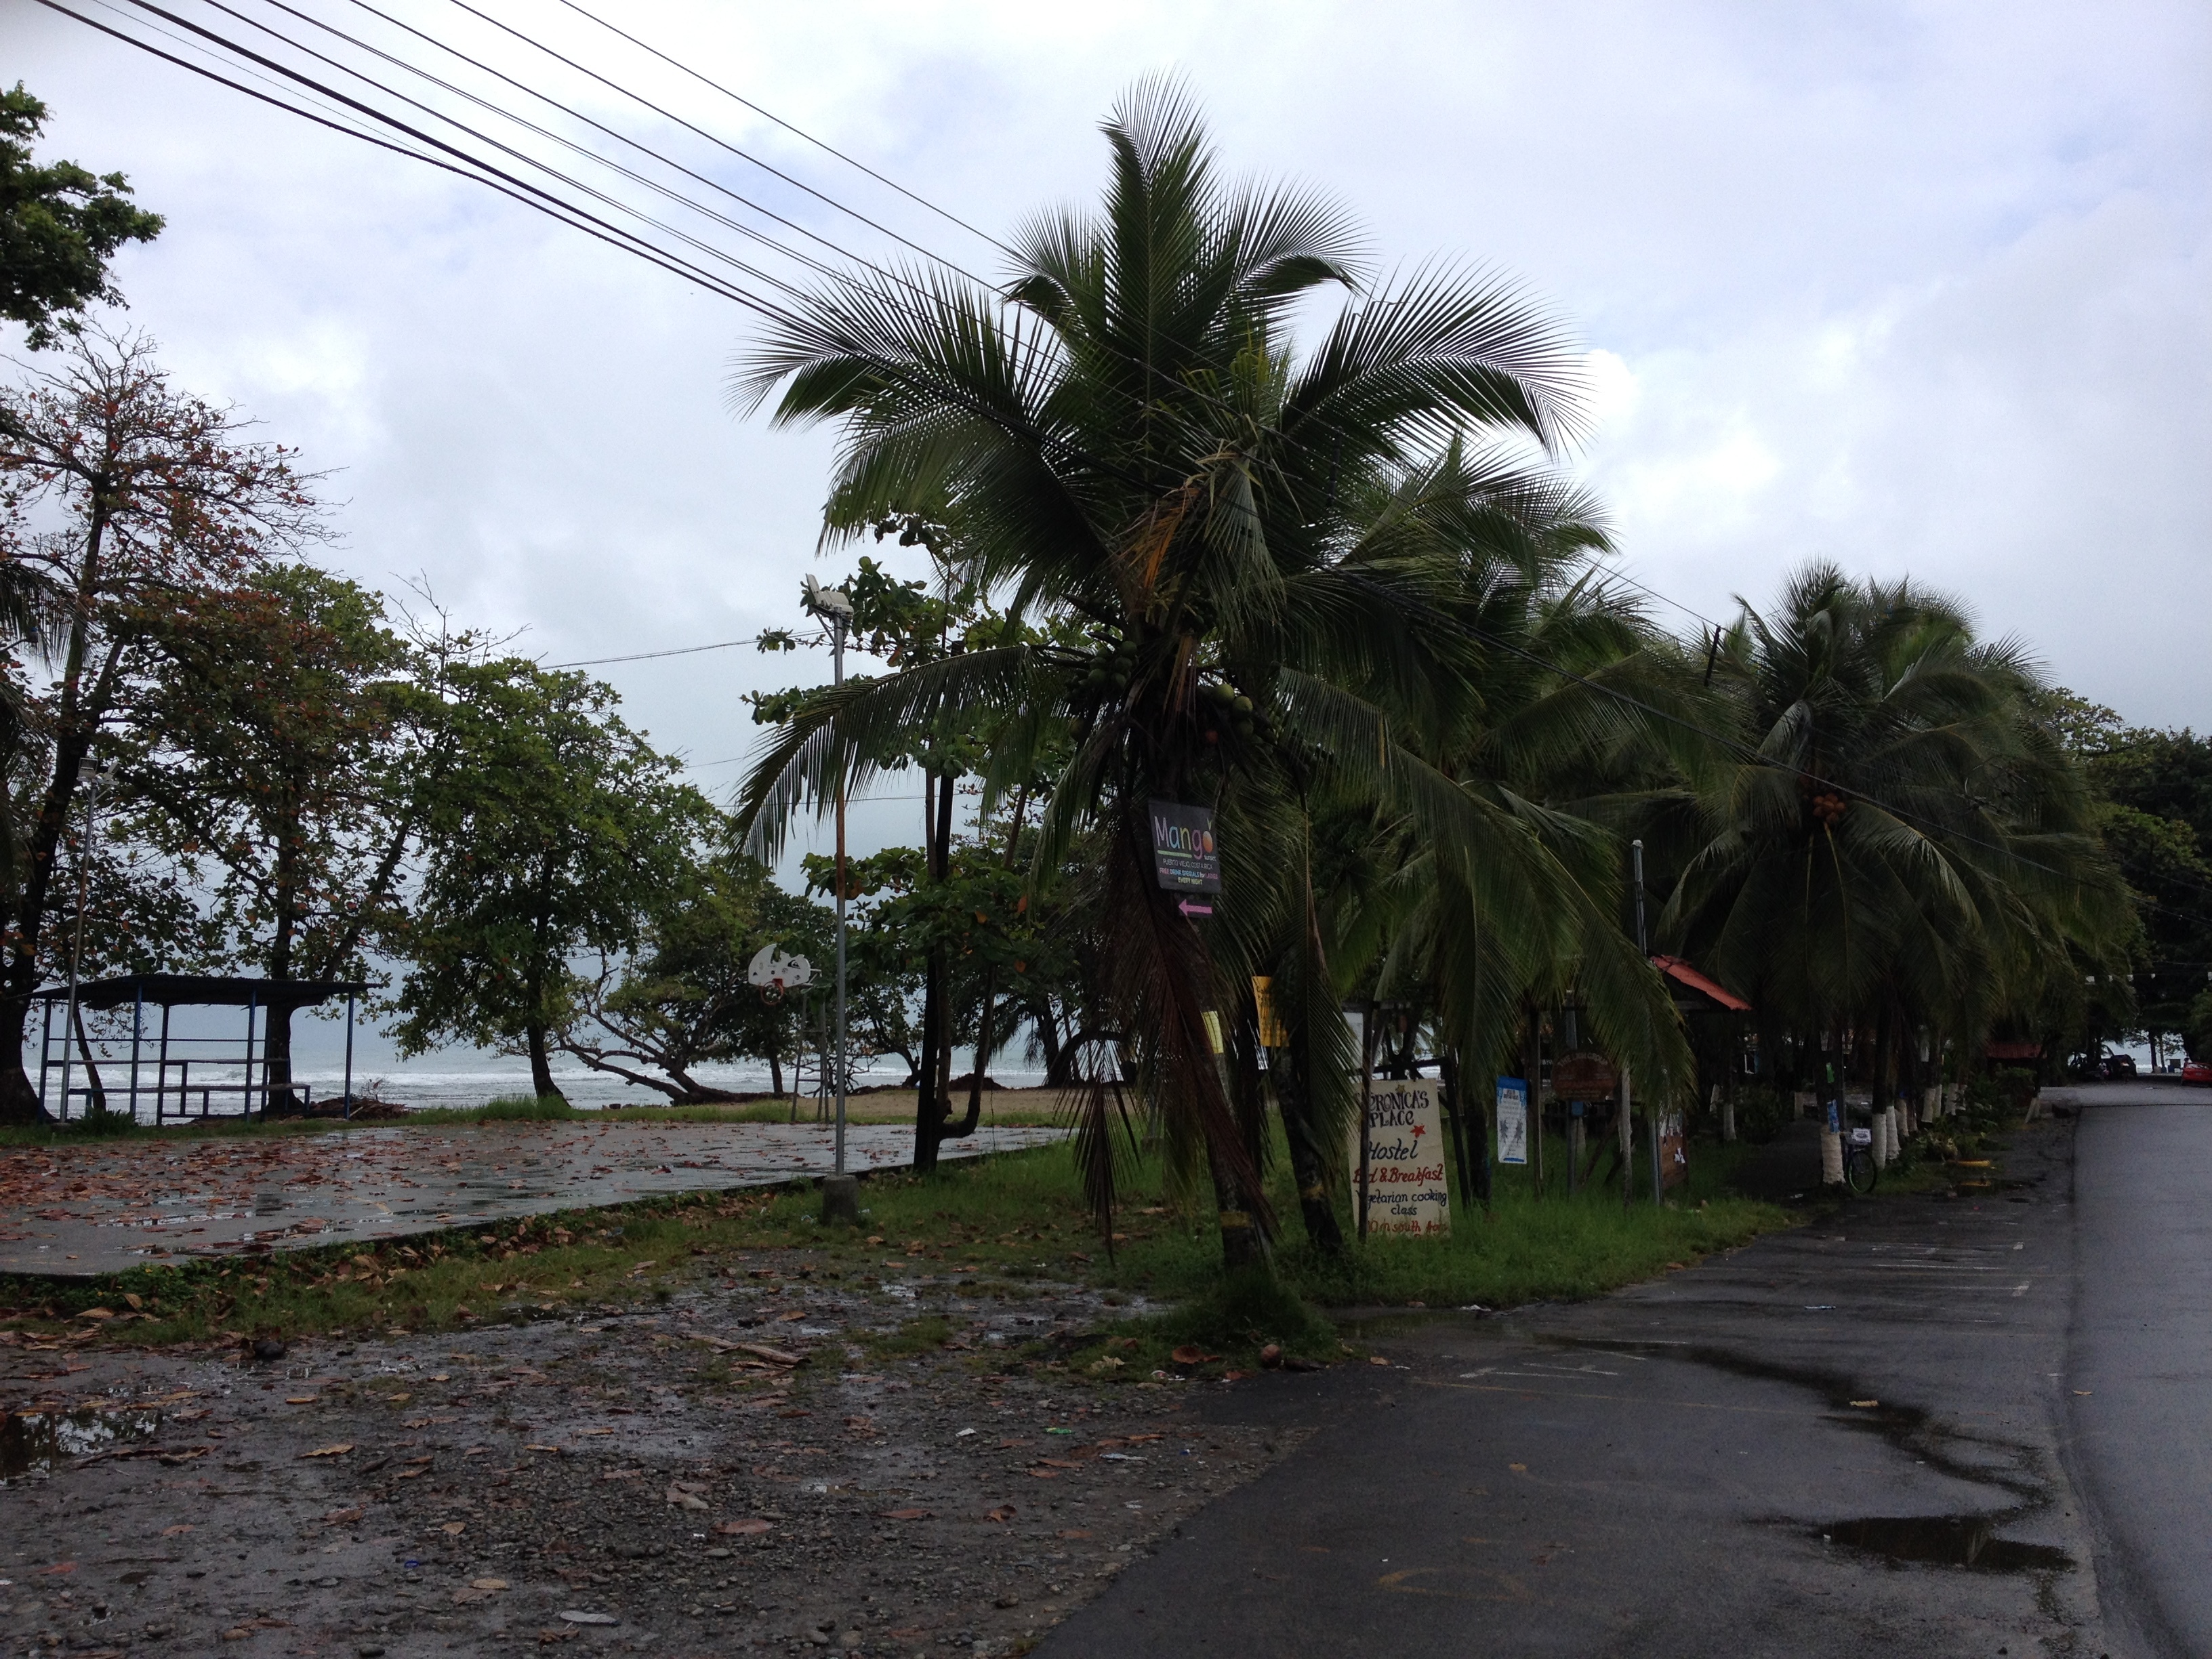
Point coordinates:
[[1914, 287]]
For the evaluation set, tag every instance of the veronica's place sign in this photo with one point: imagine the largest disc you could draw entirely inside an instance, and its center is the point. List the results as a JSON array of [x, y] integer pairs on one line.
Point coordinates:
[[1183, 851], [1406, 1189]]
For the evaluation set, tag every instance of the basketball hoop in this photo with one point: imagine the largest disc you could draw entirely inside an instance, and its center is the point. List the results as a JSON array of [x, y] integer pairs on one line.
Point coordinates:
[[776, 973]]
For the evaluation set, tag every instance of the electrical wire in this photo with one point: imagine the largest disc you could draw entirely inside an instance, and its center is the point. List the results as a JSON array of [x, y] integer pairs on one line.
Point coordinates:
[[722, 143], [521, 156], [943, 213]]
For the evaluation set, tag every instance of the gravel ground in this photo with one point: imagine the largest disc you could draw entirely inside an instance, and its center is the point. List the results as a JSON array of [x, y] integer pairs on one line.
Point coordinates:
[[927, 1478]]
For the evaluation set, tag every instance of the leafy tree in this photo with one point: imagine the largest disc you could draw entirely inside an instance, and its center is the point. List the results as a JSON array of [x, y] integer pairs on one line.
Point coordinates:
[[681, 996], [2155, 808], [1128, 446], [119, 494], [59, 225], [553, 829], [270, 733], [1897, 837]]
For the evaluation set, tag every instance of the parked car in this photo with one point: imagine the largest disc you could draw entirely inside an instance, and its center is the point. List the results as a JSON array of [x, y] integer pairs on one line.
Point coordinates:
[[2196, 1071], [2107, 1065]]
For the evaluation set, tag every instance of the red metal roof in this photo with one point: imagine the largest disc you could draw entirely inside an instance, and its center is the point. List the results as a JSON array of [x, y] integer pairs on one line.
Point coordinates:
[[1674, 968]]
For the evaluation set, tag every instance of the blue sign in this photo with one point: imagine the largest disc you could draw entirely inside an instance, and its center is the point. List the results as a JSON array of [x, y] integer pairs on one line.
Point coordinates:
[[1512, 1120]]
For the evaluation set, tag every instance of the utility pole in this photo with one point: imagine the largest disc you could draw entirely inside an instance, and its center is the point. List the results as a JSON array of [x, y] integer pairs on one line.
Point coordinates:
[[1644, 950]]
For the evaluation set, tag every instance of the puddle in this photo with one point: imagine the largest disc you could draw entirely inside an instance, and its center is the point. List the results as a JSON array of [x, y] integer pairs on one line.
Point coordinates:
[[34, 1441], [1950, 1540]]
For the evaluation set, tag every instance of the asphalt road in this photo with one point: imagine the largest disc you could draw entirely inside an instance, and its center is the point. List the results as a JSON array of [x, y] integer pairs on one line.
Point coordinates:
[[2140, 1357], [1865, 1436]]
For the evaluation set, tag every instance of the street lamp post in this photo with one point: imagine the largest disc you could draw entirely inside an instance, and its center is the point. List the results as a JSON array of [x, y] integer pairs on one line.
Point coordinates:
[[94, 781], [838, 674], [841, 1192]]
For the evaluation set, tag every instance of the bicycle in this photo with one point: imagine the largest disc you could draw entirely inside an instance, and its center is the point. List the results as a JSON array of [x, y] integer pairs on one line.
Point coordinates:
[[1859, 1172]]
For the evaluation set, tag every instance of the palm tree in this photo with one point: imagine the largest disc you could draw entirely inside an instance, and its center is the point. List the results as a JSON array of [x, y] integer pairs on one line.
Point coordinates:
[[1127, 445], [1895, 834]]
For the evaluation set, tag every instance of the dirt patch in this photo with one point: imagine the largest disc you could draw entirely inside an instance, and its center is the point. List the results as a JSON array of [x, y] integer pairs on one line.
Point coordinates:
[[926, 1479]]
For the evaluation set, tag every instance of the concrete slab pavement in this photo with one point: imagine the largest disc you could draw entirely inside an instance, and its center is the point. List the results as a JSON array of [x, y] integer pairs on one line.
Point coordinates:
[[106, 1205]]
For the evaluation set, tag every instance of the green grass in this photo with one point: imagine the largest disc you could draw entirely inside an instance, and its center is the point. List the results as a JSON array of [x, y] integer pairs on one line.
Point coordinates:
[[507, 1109], [1001, 1222]]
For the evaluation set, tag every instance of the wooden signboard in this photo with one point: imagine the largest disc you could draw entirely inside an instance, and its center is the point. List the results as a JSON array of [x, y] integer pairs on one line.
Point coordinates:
[[1406, 1158], [1584, 1077]]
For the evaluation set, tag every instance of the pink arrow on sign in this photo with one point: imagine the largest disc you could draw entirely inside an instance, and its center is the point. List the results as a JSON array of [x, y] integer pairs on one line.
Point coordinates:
[[1190, 909]]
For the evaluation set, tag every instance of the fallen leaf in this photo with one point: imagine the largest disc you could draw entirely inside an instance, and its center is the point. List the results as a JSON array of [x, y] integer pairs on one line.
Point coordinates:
[[1518, 1468], [1073, 1532], [454, 1529], [338, 1450], [341, 1517], [903, 1515], [1866, 1405], [300, 1399], [176, 1531], [1004, 1512], [685, 1500], [58, 1566], [488, 1583], [743, 1528], [1191, 1354], [2084, 1392], [590, 1618], [1377, 1359]]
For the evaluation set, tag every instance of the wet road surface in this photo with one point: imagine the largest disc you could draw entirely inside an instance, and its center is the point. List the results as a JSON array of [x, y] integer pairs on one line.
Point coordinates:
[[1847, 1439], [2139, 1406], [100, 1208]]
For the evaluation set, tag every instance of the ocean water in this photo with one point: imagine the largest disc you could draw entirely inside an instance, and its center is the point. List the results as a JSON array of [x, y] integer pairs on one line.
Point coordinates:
[[431, 1083]]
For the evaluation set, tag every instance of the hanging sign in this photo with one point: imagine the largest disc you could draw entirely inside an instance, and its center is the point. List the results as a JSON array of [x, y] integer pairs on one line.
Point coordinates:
[[1512, 1120], [1183, 850], [1407, 1193], [1584, 1077], [1273, 1032]]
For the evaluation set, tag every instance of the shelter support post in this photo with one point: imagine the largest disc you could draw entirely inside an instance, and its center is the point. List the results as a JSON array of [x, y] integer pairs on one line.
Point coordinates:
[[137, 1037]]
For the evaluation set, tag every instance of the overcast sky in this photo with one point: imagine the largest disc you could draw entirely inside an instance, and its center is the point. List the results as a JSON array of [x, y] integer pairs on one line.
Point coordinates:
[[1921, 288]]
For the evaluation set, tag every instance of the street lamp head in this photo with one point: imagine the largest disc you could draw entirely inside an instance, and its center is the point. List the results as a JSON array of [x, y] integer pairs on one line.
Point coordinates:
[[830, 603], [91, 777]]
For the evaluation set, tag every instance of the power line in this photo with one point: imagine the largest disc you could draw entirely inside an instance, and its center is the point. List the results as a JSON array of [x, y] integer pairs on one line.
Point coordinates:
[[646, 656], [796, 184], [945, 214], [461, 126], [484, 172], [619, 138]]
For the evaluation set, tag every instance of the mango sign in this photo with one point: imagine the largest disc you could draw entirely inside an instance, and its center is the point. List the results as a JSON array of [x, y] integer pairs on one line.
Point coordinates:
[[1406, 1158]]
